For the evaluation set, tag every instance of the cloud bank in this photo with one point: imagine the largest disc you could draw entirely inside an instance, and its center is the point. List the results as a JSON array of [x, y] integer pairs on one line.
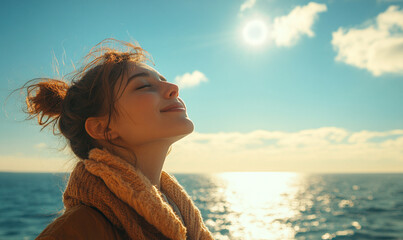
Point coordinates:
[[326, 149]]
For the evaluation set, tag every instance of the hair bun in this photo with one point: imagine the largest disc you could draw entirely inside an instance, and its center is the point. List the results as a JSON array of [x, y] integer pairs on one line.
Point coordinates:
[[48, 99]]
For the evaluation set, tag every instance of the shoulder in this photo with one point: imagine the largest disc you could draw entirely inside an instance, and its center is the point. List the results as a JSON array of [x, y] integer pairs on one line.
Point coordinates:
[[80, 222]]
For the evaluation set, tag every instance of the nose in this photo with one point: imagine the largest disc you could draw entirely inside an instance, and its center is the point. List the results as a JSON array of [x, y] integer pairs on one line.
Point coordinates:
[[172, 90]]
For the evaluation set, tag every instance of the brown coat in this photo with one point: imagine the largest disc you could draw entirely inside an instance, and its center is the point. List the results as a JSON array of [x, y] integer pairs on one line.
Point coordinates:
[[81, 222]]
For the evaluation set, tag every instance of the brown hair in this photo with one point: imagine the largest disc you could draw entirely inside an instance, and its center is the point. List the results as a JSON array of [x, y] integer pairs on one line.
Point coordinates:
[[90, 94]]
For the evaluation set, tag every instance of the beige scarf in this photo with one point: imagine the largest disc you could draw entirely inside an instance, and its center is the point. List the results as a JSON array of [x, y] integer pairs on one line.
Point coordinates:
[[128, 199]]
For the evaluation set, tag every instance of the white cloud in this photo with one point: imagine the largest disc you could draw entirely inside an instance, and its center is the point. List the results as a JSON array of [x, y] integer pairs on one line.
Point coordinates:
[[247, 4], [326, 149], [377, 47], [190, 79], [288, 29]]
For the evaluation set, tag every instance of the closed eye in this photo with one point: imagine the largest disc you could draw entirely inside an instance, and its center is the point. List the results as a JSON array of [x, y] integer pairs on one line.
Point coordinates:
[[148, 85]]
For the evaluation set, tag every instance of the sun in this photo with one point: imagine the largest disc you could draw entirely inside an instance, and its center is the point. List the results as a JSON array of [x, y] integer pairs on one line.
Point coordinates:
[[255, 32]]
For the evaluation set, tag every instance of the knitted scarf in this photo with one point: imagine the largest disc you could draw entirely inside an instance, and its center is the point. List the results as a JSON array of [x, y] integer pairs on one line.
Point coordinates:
[[130, 201]]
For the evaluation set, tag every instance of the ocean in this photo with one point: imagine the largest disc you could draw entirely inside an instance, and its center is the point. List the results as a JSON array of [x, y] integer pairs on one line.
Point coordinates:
[[240, 205]]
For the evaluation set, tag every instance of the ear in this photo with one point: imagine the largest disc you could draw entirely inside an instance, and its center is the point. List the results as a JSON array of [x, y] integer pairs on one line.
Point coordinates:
[[95, 127]]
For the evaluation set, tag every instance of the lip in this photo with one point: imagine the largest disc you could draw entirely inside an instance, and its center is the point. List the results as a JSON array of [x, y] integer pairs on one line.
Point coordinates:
[[174, 107]]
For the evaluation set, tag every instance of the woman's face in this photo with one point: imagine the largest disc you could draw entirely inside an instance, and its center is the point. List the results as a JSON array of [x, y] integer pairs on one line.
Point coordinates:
[[140, 118]]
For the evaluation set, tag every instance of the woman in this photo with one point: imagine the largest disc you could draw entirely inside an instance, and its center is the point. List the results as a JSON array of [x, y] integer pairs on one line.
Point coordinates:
[[120, 118]]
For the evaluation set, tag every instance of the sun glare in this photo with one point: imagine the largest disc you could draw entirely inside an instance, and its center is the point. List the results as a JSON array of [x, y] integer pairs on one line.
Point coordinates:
[[256, 203], [255, 32]]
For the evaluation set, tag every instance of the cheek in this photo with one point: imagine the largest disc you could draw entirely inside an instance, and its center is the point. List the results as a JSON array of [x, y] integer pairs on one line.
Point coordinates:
[[143, 109]]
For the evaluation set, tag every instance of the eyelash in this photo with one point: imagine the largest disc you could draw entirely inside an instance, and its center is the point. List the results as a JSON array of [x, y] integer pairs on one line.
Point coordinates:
[[148, 85]]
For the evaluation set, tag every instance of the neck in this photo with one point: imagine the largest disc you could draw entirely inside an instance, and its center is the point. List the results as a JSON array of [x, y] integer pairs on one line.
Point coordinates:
[[150, 158]]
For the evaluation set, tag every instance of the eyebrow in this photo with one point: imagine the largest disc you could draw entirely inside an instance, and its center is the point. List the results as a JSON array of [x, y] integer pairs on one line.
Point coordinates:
[[142, 74]]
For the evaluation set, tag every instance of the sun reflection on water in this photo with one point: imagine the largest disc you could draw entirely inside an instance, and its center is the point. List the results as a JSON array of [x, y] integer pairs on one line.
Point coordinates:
[[257, 205]]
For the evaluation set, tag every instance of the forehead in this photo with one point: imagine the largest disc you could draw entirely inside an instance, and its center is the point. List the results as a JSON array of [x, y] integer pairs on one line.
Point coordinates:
[[138, 67]]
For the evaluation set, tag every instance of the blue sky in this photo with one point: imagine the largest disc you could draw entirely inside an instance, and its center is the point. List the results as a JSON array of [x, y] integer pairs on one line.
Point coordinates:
[[322, 93]]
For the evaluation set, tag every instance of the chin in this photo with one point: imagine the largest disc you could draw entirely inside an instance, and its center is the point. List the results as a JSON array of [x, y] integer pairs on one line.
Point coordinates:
[[188, 127], [191, 129], [184, 130]]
